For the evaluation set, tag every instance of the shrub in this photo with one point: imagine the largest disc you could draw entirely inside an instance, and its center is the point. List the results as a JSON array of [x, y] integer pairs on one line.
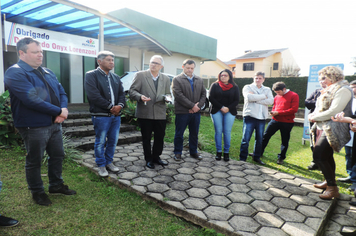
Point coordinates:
[[70, 152], [8, 133], [128, 113]]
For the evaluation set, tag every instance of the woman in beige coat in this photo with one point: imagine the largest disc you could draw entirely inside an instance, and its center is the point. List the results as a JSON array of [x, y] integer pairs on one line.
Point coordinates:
[[329, 136]]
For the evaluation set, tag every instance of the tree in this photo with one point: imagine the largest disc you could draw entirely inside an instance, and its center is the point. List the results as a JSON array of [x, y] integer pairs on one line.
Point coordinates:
[[353, 62], [289, 71]]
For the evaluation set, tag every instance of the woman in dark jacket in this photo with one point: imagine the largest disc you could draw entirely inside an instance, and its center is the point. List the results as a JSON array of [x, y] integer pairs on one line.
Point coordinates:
[[224, 97]]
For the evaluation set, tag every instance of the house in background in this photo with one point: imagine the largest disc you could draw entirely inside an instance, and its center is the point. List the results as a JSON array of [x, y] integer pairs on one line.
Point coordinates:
[[232, 64], [274, 62], [211, 69]]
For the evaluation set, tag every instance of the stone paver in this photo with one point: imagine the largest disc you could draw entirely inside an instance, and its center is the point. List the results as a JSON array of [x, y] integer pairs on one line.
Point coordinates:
[[234, 198]]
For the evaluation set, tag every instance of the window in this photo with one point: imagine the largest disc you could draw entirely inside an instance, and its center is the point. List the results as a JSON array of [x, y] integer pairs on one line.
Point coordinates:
[[275, 66], [179, 71], [249, 66]]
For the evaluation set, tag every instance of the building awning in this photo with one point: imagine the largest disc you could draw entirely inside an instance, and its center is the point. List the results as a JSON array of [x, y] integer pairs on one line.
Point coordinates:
[[72, 18]]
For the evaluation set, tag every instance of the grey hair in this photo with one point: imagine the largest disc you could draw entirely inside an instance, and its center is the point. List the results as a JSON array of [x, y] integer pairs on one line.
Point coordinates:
[[103, 54], [23, 42], [260, 73], [159, 57]]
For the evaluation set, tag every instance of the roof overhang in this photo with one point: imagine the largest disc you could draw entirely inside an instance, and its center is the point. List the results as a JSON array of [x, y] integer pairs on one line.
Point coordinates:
[[72, 18]]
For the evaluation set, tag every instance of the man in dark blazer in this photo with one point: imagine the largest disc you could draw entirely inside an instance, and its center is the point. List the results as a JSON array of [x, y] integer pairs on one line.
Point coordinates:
[[189, 99], [151, 89]]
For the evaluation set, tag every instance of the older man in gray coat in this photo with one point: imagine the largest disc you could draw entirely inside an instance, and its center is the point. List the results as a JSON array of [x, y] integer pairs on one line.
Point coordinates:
[[150, 89]]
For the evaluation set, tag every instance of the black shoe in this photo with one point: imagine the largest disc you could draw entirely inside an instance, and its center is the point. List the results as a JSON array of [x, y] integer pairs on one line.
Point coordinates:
[[41, 199], [196, 156], [161, 162], [345, 180], [259, 162], [313, 166], [218, 156], [280, 161], [226, 157], [177, 157], [352, 203], [353, 233], [150, 165], [61, 189], [7, 222]]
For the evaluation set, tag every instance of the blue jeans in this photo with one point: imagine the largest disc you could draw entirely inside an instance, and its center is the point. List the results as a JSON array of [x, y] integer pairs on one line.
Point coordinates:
[[251, 124], [285, 129], [223, 125], [107, 131], [37, 141], [348, 159], [192, 120]]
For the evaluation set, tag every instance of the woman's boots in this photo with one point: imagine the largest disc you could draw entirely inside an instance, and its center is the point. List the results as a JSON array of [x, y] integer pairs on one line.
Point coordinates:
[[219, 154], [323, 185], [226, 157], [330, 193]]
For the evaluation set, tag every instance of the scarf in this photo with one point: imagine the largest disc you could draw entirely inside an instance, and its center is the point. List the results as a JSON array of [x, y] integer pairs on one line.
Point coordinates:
[[225, 87]]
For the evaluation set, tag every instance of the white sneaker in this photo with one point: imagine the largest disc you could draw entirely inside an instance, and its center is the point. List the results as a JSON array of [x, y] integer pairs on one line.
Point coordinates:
[[103, 172], [112, 168]]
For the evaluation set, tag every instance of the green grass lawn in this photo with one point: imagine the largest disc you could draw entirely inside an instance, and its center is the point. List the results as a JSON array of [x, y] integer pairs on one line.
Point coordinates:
[[101, 208]]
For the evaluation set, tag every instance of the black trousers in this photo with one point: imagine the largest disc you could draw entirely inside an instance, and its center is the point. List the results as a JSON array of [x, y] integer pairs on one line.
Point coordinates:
[[158, 127], [285, 129], [323, 155]]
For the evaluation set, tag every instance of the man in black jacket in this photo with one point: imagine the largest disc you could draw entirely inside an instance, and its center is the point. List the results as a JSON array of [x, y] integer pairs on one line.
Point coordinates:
[[106, 99]]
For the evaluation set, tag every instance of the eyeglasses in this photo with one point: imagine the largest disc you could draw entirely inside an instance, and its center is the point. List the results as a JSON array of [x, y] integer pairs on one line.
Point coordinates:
[[224, 75], [155, 63], [323, 78]]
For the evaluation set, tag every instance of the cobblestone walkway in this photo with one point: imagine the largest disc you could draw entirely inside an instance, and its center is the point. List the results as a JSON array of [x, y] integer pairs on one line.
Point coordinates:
[[234, 198]]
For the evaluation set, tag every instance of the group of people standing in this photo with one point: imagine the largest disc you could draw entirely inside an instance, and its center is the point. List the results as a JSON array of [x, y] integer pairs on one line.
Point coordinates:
[[224, 97], [151, 90], [39, 106]]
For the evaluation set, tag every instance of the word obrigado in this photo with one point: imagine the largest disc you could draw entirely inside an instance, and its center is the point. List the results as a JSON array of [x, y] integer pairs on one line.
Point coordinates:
[[63, 48], [34, 35]]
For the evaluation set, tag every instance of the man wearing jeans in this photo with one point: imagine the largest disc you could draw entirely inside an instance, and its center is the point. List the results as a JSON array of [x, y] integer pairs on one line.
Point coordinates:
[[190, 95], [256, 100], [39, 106], [285, 106], [106, 99]]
